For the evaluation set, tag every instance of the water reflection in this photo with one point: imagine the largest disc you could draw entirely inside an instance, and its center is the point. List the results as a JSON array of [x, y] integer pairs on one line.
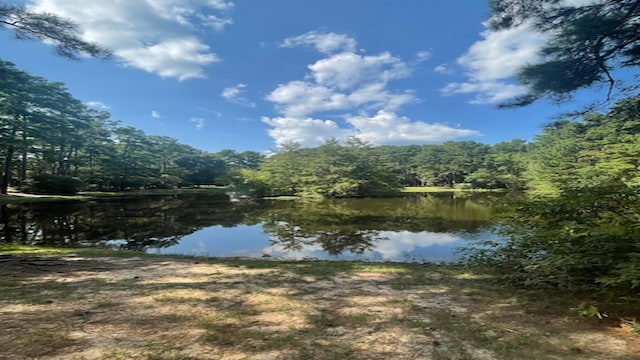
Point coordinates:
[[413, 228]]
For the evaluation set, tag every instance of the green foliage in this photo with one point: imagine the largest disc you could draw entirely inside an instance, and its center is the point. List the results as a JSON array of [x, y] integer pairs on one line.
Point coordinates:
[[503, 167], [331, 170], [45, 130], [584, 238], [48, 27], [449, 163], [589, 310], [55, 185], [587, 43], [600, 150]]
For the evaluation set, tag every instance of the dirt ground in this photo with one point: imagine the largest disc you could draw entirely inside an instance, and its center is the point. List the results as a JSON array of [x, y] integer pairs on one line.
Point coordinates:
[[76, 307]]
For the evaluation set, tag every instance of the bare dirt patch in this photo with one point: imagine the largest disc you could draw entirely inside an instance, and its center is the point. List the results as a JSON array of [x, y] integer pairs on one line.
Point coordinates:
[[74, 307]]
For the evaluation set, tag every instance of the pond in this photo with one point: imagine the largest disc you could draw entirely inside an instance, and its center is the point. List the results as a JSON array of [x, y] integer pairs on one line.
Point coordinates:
[[416, 228]]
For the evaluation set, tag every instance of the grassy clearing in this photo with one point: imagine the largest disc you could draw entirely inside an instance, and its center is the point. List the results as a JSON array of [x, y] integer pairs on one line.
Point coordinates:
[[80, 306], [20, 198], [443, 189]]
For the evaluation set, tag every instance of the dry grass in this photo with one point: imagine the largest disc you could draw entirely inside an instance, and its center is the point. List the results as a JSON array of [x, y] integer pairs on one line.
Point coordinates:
[[77, 307]]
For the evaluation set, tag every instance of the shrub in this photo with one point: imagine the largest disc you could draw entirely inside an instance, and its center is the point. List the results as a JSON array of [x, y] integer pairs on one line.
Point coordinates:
[[54, 185], [585, 238]]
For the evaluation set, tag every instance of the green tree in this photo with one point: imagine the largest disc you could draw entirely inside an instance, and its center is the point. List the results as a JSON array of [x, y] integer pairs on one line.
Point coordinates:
[[503, 167], [40, 122], [587, 43], [602, 149], [581, 239], [131, 162], [450, 163], [28, 24], [399, 161], [330, 170], [200, 168]]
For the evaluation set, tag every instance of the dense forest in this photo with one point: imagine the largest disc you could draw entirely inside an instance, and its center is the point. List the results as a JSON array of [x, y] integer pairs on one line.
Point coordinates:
[[52, 142]]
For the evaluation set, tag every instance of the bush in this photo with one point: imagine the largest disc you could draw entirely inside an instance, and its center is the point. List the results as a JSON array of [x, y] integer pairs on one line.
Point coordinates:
[[54, 185], [586, 238]]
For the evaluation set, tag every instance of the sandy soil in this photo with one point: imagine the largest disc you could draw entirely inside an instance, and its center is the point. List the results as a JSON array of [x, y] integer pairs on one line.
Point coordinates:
[[73, 307]]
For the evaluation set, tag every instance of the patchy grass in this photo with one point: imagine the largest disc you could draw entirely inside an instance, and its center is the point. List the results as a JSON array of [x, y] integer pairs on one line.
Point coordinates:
[[443, 189], [65, 305], [19, 198]]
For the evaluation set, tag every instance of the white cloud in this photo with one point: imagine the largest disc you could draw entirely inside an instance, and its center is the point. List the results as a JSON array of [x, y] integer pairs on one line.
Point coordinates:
[[305, 131], [215, 22], [198, 121], [423, 55], [347, 70], [344, 81], [486, 92], [97, 105], [443, 69], [383, 128], [234, 94], [327, 43], [343, 84], [492, 62], [389, 128], [155, 114], [158, 36], [299, 98]]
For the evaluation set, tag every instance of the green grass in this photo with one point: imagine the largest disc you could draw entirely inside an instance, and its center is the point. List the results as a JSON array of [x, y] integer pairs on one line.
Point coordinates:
[[89, 195], [442, 189], [17, 249], [12, 199]]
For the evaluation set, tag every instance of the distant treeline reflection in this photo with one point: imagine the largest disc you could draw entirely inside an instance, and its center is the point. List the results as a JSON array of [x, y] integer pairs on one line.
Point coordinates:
[[141, 223]]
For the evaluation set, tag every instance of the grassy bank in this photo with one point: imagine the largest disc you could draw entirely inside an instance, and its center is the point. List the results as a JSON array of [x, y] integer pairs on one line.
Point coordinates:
[[443, 189], [88, 304], [17, 197]]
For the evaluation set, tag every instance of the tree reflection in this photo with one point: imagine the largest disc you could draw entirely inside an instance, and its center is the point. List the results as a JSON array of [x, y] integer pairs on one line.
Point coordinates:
[[131, 224], [336, 226], [334, 241], [355, 226]]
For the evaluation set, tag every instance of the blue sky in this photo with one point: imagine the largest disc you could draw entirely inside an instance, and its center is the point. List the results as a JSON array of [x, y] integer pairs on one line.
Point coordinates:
[[253, 75]]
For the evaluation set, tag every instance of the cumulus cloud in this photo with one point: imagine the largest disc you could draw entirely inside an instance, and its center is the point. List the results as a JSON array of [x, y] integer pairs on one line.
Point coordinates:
[[325, 42], [492, 62], [347, 70], [304, 131], [346, 94], [390, 128], [234, 94], [342, 82], [158, 36], [155, 114]]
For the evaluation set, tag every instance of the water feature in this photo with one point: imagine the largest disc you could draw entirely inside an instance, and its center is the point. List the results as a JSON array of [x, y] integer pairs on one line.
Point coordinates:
[[414, 228]]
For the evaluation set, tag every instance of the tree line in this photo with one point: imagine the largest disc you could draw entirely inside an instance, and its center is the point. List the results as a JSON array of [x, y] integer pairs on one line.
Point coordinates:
[[594, 151], [52, 142]]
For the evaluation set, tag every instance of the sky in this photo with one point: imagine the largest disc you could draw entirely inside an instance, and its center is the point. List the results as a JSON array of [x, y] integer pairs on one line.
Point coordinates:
[[256, 75]]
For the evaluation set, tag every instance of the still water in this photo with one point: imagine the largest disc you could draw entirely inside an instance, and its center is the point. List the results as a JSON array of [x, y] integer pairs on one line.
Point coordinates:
[[414, 228]]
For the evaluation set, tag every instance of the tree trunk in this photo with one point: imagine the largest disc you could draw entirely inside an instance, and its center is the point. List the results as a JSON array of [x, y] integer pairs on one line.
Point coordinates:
[[6, 171], [23, 161]]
